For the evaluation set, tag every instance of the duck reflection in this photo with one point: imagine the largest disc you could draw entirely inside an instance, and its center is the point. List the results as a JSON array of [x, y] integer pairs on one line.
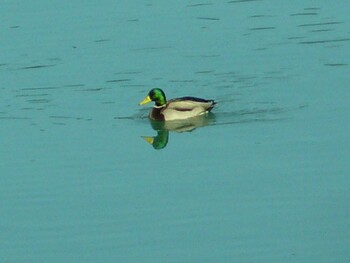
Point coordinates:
[[163, 128]]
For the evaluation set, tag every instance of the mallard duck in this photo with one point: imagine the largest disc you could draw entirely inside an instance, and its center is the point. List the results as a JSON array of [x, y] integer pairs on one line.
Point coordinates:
[[176, 109]]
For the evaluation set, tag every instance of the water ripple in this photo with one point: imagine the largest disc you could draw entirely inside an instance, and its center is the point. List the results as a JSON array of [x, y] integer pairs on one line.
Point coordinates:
[[38, 66], [324, 41], [262, 28], [320, 24], [241, 1], [336, 64], [199, 5], [118, 80], [208, 18], [304, 14]]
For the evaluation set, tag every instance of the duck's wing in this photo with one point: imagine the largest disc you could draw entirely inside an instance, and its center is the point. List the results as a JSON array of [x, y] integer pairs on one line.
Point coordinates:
[[190, 103]]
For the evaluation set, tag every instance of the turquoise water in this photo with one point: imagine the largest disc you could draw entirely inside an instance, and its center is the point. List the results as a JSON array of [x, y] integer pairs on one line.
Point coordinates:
[[265, 178]]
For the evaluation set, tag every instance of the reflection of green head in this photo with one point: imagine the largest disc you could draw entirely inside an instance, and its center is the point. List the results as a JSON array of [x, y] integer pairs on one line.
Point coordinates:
[[158, 96], [160, 141]]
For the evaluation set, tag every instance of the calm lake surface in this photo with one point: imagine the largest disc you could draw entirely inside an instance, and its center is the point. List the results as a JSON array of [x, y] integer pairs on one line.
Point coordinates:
[[265, 178]]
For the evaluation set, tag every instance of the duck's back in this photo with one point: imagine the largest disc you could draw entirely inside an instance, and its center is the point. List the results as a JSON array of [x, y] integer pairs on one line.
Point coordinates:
[[189, 103]]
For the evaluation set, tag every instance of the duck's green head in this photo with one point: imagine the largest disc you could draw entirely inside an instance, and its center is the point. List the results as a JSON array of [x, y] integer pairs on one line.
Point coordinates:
[[156, 95]]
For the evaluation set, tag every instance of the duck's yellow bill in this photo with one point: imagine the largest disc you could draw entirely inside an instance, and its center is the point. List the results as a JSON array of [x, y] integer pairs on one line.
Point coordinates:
[[150, 140], [145, 101]]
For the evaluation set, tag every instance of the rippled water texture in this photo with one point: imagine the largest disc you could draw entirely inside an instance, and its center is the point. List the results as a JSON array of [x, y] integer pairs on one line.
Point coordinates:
[[86, 177]]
